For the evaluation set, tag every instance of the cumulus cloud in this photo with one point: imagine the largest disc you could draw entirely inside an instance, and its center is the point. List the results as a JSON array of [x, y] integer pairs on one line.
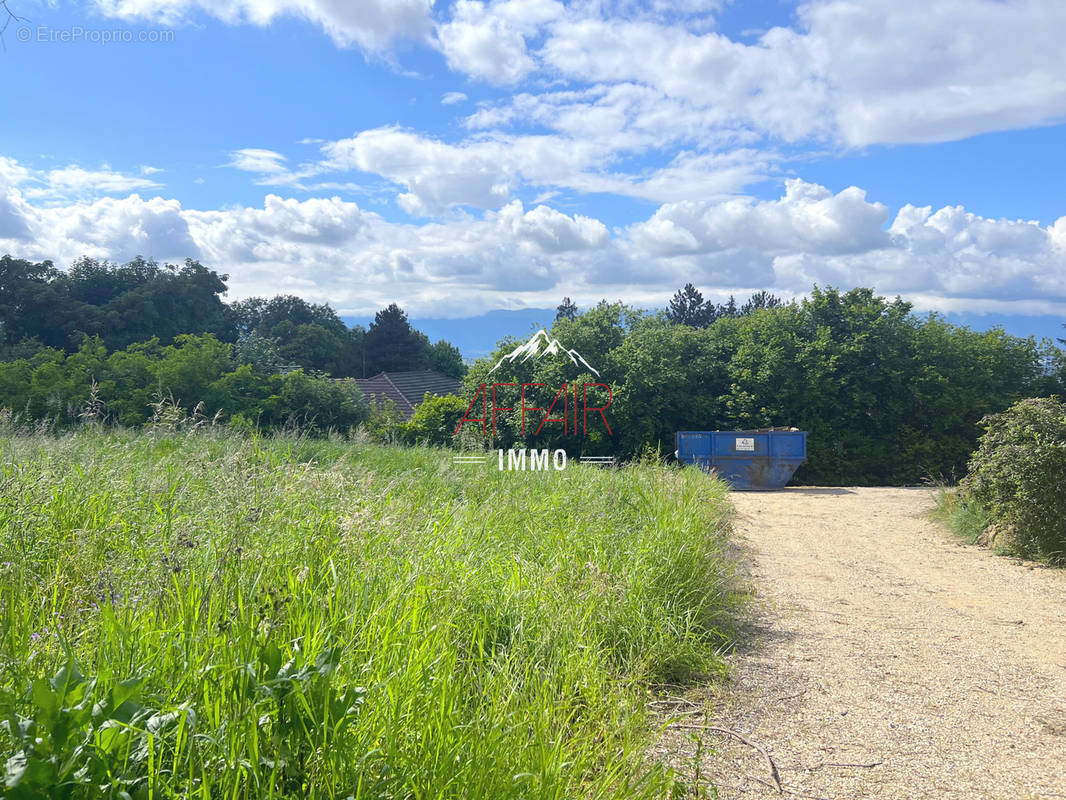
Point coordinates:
[[112, 228], [856, 74], [331, 249], [488, 41], [808, 218], [436, 175], [551, 230], [606, 84], [485, 171], [14, 210]]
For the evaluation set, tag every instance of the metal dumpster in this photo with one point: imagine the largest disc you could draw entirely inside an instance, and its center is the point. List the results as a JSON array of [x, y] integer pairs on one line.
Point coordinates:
[[748, 460]]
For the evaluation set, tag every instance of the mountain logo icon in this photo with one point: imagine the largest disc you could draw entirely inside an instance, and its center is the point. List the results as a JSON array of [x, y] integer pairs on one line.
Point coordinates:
[[541, 344]]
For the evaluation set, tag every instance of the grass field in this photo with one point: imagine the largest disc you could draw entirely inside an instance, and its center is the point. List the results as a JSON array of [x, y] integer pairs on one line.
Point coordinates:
[[214, 616]]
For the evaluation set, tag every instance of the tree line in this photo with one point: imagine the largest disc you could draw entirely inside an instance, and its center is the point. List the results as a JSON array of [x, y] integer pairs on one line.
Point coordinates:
[[42, 307], [886, 395]]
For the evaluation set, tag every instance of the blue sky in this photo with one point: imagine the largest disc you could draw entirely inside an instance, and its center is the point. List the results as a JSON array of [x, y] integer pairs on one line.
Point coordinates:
[[465, 157]]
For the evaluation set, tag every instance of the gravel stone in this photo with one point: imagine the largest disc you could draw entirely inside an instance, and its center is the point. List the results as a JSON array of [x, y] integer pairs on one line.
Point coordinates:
[[883, 659]]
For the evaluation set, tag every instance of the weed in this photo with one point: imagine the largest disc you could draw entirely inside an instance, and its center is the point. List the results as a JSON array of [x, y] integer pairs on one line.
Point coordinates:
[[288, 617]]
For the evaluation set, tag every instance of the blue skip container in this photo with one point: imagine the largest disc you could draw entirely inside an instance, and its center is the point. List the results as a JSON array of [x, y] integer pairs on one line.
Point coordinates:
[[748, 460]]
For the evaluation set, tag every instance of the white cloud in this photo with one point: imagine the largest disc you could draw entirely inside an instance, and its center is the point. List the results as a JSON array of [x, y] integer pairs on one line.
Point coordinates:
[[856, 74], [436, 175], [920, 71], [370, 24], [488, 41], [245, 234], [113, 228], [71, 182], [551, 230], [272, 169], [484, 171], [807, 219], [611, 86], [846, 72], [254, 159], [14, 210], [330, 249], [75, 180]]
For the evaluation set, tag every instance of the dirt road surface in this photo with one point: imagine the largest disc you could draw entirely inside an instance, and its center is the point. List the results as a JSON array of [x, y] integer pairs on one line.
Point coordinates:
[[885, 660]]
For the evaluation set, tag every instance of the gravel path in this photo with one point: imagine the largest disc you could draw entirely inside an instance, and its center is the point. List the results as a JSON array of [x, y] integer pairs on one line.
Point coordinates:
[[885, 659]]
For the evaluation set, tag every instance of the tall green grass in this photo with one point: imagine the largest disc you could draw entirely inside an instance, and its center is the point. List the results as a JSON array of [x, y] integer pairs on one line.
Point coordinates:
[[215, 616], [962, 515]]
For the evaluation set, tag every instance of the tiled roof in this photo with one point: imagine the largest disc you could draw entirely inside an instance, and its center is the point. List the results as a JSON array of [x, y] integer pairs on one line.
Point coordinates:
[[407, 389], [414, 385], [379, 388]]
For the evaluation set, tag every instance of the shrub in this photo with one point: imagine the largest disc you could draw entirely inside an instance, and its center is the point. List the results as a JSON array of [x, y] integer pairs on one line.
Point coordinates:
[[1018, 473], [317, 403], [435, 419], [385, 423]]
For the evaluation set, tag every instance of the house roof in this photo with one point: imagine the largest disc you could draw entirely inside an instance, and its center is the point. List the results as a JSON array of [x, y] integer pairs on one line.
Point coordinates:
[[379, 388], [407, 389]]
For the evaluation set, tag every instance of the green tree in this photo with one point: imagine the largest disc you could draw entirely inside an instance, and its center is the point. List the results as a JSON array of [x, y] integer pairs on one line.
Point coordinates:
[[566, 310], [141, 300], [391, 344], [129, 383], [248, 394], [187, 369], [728, 310], [669, 378], [593, 334], [15, 377], [445, 358], [687, 307], [260, 352], [264, 315], [32, 303], [308, 335], [759, 301]]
